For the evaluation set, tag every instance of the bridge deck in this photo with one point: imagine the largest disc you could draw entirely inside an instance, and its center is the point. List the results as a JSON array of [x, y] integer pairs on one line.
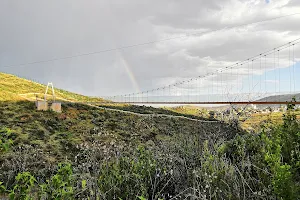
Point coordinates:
[[219, 102]]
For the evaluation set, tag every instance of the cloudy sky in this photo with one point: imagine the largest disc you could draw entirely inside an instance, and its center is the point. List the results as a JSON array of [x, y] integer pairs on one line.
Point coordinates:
[[35, 30]]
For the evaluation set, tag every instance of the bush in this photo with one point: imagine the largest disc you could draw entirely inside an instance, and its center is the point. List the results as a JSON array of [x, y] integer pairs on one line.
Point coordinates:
[[282, 154], [24, 187], [60, 186], [128, 177], [185, 165], [5, 140]]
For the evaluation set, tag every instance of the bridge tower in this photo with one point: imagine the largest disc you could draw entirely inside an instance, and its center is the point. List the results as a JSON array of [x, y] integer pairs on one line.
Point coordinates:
[[44, 105]]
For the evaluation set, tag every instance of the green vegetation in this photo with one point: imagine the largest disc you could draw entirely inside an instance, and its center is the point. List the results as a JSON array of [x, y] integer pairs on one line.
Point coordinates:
[[190, 110], [5, 140], [62, 134], [87, 152], [249, 119], [91, 153], [157, 111], [258, 119], [13, 88]]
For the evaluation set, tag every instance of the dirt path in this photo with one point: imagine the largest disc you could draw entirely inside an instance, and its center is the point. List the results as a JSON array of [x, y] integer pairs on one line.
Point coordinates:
[[154, 115], [124, 111]]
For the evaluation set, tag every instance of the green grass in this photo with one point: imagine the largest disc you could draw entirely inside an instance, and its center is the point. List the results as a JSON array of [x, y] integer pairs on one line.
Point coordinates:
[[189, 110], [257, 119], [254, 122], [13, 88], [60, 133], [99, 147], [85, 134], [139, 156]]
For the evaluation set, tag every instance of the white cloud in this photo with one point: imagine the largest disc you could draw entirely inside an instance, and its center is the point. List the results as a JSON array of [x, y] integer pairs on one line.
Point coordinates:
[[35, 30]]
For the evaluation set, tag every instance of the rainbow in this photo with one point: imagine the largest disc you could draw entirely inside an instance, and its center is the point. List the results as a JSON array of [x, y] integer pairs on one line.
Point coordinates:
[[129, 72]]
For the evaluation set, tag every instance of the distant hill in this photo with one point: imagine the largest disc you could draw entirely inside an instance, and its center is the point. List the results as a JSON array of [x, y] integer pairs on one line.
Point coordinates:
[[284, 98], [13, 88]]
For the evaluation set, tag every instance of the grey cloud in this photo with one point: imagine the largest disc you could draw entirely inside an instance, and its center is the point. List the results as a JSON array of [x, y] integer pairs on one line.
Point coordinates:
[[36, 30]]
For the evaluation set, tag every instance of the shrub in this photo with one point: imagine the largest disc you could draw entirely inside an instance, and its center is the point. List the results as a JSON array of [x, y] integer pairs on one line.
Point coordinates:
[[182, 164], [128, 176], [5, 139], [60, 186], [282, 154], [24, 187]]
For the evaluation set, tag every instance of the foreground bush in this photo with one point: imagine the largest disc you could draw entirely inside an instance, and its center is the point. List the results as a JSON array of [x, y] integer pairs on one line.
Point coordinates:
[[183, 166]]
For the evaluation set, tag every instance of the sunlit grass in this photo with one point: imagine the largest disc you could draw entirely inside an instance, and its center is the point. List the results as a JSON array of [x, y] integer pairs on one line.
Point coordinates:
[[256, 120], [189, 110], [13, 88]]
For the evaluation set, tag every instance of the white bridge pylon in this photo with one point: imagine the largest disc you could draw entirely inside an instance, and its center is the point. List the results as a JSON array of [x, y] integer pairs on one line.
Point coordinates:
[[50, 84]]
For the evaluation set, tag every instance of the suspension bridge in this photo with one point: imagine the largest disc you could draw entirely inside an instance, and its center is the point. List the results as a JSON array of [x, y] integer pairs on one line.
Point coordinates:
[[269, 77], [261, 79]]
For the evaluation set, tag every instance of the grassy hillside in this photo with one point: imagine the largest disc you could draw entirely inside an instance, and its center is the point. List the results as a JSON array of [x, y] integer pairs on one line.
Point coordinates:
[[13, 88], [82, 135], [286, 97], [84, 152], [251, 122], [60, 133], [258, 119], [89, 152]]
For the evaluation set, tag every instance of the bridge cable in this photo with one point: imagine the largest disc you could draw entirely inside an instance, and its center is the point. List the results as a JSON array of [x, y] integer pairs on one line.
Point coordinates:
[[265, 71], [260, 76], [248, 77], [290, 75], [275, 73], [252, 82], [198, 90], [294, 67], [222, 86], [252, 60], [279, 80], [145, 43], [212, 87]]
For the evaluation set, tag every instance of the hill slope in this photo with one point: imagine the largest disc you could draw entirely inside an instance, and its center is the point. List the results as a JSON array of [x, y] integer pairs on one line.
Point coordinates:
[[61, 135], [286, 97], [283, 98], [13, 88], [88, 152]]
